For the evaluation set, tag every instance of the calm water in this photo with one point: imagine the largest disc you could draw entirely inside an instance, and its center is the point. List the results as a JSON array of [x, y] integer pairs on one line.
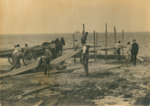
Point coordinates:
[[8, 41]]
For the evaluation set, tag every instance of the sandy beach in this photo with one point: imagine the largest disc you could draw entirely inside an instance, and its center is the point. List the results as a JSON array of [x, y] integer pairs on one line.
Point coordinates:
[[109, 83]]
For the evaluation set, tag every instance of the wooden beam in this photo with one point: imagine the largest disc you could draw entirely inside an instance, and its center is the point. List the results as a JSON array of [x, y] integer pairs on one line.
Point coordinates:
[[122, 37], [74, 45], [115, 36], [34, 90], [94, 46], [106, 40], [122, 41], [96, 43], [39, 103], [139, 58]]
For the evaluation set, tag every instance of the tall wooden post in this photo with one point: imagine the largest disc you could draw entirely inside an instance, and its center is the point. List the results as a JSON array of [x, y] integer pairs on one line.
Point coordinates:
[[74, 46], [73, 41], [115, 39], [115, 36], [96, 43], [105, 40], [122, 41], [122, 37], [83, 32], [94, 47]]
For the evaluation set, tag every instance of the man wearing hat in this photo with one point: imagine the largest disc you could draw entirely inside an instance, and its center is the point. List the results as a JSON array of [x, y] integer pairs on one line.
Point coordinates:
[[45, 59], [84, 38], [118, 47], [17, 56], [134, 51], [85, 58]]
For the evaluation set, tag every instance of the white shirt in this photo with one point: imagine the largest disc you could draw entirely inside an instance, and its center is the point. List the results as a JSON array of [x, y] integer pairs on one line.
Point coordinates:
[[17, 50], [128, 49], [118, 45], [84, 49]]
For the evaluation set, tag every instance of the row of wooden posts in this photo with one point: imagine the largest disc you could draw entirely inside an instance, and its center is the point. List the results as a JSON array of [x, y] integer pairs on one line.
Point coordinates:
[[95, 37]]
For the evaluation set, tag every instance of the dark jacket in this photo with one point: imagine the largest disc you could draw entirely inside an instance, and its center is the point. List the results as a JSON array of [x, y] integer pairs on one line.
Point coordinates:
[[135, 48]]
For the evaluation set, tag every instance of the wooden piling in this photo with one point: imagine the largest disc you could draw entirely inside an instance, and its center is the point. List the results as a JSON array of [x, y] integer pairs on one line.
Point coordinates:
[[74, 46], [83, 32], [115, 39], [122, 37], [115, 36], [73, 41], [96, 43], [122, 41], [106, 40], [94, 47]]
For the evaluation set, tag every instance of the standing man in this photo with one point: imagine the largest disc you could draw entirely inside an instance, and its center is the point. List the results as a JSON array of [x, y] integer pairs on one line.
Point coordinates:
[[46, 60], [85, 53], [47, 56], [134, 51], [84, 38], [76, 45], [128, 53], [118, 47], [25, 49]]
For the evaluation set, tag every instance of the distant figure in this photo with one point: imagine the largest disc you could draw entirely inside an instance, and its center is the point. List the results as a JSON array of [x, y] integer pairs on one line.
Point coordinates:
[[63, 41], [84, 38], [85, 58], [118, 47], [53, 50], [60, 47], [57, 46], [128, 52], [76, 45], [25, 49], [134, 51]]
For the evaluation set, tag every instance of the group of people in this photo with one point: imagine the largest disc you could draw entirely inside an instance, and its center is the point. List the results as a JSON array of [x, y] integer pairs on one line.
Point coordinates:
[[56, 46], [131, 51], [51, 50], [17, 55], [54, 49], [45, 59]]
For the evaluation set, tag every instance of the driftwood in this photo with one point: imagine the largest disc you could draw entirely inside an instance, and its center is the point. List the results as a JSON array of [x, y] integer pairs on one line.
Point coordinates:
[[39, 103], [34, 90]]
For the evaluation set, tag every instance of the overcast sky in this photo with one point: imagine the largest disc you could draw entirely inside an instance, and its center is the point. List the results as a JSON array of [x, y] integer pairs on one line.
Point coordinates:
[[63, 16]]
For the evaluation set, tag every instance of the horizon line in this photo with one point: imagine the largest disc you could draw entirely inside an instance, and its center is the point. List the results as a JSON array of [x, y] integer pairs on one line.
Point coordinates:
[[70, 32]]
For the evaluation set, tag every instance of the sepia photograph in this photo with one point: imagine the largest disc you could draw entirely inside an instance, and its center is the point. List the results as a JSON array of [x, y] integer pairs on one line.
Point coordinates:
[[74, 52]]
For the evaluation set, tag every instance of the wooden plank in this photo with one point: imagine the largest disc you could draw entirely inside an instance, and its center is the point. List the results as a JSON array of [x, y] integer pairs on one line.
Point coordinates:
[[139, 58], [94, 47], [55, 101], [105, 40], [34, 65], [39, 103], [34, 90]]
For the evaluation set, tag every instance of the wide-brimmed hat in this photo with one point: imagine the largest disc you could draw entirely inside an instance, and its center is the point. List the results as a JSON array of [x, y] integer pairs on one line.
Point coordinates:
[[17, 45], [133, 40]]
